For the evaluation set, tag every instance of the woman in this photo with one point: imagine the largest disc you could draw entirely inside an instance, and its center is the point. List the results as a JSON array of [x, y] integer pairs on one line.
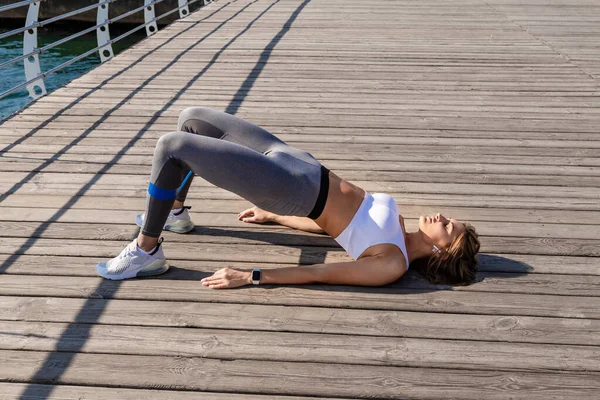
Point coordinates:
[[290, 187]]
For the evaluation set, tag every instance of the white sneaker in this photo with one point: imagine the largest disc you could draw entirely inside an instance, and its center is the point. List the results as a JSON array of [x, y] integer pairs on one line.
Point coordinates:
[[179, 222], [133, 263]]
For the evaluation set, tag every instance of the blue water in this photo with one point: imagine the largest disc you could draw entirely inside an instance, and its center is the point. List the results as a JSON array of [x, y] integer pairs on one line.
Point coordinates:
[[13, 75]]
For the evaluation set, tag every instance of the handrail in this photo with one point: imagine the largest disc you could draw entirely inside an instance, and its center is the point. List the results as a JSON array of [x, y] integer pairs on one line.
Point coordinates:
[[18, 4], [78, 34], [54, 19], [35, 81]]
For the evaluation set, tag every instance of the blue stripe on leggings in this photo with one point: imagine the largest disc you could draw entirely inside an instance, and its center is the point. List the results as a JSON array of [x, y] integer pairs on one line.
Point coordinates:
[[184, 181], [161, 194]]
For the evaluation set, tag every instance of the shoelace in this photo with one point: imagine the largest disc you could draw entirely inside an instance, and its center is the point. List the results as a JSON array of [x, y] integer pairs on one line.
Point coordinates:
[[129, 250], [133, 248]]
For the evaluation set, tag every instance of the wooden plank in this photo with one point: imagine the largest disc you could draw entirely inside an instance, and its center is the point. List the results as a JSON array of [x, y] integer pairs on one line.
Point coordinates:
[[431, 199], [557, 247], [239, 376], [431, 82], [411, 174], [141, 107], [492, 263], [275, 247], [14, 391], [113, 182], [312, 76], [276, 236], [383, 118], [127, 124], [233, 207], [498, 273], [434, 83], [383, 298], [424, 99], [405, 57], [150, 136], [273, 318], [348, 67], [292, 347], [105, 218], [408, 175], [343, 57], [354, 167], [166, 124], [324, 152], [91, 88]]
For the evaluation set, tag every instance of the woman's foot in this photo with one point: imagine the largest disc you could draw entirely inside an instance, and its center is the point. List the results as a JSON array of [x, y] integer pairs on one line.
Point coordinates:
[[179, 221], [134, 262]]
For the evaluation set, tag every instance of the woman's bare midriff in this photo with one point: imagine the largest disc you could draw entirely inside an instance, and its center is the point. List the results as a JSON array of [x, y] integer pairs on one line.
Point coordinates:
[[343, 200]]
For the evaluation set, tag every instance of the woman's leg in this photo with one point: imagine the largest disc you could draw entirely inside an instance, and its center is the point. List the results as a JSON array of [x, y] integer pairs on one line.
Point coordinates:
[[229, 153], [220, 125], [277, 182]]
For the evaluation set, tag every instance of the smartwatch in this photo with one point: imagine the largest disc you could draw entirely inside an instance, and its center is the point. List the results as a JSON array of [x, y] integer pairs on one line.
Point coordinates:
[[256, 276]]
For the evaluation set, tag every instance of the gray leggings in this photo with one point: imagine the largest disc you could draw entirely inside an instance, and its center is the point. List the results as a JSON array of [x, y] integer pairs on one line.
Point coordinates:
[[237, 156]]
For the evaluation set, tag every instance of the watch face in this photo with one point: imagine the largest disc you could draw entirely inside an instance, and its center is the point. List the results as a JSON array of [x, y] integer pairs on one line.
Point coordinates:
[[256, 275]]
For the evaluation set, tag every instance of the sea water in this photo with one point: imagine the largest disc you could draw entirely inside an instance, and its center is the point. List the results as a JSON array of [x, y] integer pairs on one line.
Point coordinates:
[[14, 74]]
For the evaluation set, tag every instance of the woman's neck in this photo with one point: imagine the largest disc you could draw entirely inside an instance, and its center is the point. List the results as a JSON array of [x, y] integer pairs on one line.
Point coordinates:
[[416, 246]]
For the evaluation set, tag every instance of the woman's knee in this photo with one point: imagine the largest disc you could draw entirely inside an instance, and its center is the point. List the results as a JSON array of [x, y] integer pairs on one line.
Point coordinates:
[[189, 114], [169, 143]]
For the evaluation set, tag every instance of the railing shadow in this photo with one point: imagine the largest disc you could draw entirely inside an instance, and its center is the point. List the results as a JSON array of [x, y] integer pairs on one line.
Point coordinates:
[[48, 371], [121, 153]]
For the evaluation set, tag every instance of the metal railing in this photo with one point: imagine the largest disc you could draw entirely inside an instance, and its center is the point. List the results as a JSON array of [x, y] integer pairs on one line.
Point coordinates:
[[34, 77]]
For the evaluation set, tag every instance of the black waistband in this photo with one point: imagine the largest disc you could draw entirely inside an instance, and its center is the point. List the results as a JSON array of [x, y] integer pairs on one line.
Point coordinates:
[[323, 192]]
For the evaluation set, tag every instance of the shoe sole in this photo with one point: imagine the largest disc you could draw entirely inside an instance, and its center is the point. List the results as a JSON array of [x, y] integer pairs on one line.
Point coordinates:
[[184, 228], [156, 267]]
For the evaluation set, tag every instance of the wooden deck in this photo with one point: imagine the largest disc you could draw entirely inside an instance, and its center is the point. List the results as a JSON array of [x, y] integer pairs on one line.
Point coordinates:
[[484, 110]]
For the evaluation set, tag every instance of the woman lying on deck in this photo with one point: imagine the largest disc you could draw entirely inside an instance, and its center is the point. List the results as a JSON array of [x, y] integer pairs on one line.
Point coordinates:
[[296, 191]]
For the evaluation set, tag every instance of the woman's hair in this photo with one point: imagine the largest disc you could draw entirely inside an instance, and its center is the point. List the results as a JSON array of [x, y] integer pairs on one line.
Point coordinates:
[[457, 265]]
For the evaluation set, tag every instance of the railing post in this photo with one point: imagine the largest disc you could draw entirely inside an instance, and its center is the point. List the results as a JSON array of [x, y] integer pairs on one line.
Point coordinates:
[[103, 33], [32, 63], [184, 10], [149, 15]]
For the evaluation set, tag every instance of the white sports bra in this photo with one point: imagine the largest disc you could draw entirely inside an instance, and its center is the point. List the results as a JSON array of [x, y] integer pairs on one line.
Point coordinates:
[[375, 222]]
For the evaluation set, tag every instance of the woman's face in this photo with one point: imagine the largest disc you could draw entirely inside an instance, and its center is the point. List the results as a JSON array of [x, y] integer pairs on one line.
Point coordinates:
[[440, 230]]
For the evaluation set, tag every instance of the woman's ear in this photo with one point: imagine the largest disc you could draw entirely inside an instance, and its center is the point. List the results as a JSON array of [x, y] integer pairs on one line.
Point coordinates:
[[439, 253]]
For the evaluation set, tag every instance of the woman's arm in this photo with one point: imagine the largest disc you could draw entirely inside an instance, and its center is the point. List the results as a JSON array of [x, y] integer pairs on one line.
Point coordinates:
[[368, 271], [259, 216], [301, 223]]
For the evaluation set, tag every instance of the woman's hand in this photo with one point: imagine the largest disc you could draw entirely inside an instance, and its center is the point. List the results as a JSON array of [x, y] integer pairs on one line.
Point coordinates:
[[227, 278], [256, 215]]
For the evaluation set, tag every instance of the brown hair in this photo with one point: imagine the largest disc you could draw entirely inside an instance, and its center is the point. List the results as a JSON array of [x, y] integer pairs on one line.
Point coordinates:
[[457, 265]]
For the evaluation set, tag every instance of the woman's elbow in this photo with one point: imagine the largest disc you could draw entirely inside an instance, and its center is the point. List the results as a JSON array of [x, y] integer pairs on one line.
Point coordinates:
[[391, 274]]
